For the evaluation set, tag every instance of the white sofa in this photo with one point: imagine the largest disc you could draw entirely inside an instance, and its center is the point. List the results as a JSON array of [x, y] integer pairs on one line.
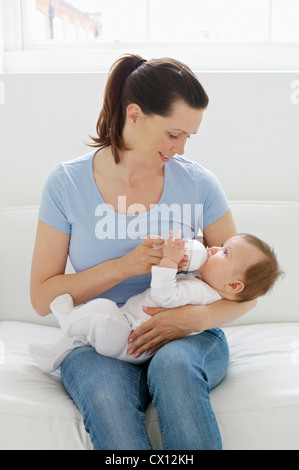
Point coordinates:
[[257, 404]]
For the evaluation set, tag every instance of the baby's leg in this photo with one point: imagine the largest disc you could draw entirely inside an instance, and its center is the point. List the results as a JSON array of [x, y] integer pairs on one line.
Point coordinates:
[[50, 357], [101, 322], [129, 357], [72, 320], [106, 329]]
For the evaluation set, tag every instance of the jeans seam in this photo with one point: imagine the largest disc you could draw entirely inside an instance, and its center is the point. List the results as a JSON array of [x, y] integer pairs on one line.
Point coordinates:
[[136, 390], [139, 403], [76, 402], [220, 335], [157, 410]]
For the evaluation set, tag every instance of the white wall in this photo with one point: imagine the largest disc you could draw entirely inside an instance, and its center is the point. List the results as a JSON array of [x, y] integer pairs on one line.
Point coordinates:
[[249, 136], [1, 44]]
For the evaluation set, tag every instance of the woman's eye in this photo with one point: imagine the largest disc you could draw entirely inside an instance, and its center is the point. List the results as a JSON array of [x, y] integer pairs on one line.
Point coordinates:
[[176, 136]]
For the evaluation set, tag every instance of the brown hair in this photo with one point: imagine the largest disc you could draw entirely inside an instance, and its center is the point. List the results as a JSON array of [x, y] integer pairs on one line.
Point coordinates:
[[154, 85], [260, 277]]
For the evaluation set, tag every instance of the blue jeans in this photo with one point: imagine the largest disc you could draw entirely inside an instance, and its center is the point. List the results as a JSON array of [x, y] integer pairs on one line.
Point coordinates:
[[112, 395]]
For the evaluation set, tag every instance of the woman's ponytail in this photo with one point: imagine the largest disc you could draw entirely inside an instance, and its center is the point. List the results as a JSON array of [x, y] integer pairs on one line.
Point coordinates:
[[112, 116]]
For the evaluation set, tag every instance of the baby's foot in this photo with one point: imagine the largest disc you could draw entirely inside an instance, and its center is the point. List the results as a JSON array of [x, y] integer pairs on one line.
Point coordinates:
[[50, 357], [44, 357], [62, 306]]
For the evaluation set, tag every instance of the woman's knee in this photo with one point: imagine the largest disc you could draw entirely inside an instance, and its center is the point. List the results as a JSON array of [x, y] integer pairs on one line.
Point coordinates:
[[203, 356], [172, 367]]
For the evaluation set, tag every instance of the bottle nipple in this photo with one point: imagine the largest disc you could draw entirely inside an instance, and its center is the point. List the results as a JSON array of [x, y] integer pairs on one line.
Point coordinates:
[[197, 254]]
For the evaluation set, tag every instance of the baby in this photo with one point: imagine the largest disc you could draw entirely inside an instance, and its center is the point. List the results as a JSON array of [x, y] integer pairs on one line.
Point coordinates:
[[242, 269]]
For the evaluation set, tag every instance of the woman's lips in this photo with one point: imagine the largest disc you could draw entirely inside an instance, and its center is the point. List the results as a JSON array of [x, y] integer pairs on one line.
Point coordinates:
[[164, 158]]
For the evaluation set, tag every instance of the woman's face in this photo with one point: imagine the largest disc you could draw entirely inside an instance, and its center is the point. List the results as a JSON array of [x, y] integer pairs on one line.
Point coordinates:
[[157, 138]]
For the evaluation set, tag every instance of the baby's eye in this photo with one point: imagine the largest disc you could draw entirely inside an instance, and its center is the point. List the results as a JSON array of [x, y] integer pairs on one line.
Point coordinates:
[[225, 252]]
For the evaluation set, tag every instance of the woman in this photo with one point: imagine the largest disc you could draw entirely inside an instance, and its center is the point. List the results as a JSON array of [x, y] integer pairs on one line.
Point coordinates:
[[99, 209]]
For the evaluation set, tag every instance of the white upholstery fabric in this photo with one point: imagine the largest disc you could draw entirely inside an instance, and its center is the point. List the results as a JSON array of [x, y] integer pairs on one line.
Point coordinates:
[[35, 410], [257, 404]]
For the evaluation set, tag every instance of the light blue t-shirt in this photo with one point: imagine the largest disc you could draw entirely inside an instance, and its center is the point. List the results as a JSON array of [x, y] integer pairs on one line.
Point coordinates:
[[192, 199]]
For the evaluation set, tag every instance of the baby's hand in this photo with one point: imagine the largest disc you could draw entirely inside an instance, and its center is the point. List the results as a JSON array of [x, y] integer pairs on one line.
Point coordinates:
[[173, 251]]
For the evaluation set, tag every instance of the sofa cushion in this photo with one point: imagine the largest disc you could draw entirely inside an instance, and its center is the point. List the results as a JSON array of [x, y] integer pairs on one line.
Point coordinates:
[[36, 412], [256, 404]]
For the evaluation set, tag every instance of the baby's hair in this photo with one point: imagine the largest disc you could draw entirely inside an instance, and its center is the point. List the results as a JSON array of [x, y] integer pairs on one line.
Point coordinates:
[[260, 277]]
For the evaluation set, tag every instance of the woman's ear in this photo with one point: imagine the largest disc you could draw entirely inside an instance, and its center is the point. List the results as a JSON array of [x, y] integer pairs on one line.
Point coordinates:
[[134, 113], [234, 287]]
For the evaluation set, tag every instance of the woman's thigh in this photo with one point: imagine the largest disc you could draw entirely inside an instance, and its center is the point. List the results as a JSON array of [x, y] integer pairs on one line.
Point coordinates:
[[111, 395], [180, 377]]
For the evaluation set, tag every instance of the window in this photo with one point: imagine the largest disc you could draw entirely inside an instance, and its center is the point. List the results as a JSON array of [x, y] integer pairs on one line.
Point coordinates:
[[166, 21], [179, 28]]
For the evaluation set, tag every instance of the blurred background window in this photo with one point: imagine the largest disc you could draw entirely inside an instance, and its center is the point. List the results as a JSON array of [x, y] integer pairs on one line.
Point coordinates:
[[161, 21]]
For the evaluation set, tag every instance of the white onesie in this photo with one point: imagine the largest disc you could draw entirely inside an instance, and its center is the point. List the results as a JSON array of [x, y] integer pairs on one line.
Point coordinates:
[[106, 327]]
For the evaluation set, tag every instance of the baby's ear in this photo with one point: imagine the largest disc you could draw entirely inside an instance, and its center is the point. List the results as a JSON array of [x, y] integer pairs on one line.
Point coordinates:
[[235, 287]]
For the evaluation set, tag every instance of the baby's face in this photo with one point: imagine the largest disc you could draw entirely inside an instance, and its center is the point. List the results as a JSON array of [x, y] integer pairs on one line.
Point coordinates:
[[229, 262]]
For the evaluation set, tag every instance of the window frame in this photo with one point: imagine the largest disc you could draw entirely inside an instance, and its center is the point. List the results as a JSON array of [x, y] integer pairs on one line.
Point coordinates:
[[67, 56]]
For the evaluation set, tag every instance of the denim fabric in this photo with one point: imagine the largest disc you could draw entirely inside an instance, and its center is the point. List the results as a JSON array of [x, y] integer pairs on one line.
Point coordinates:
[[112, 395]]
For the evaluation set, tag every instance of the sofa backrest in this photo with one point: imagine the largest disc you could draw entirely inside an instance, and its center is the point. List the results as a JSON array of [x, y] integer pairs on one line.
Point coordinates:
[[17, 237], [275, 222]]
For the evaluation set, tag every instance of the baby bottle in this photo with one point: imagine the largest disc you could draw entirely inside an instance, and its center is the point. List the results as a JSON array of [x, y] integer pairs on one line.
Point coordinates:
[[197, 255]]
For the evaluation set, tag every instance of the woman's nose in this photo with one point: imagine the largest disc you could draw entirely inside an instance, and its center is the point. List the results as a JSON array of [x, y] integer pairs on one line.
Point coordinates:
[[179, 147]]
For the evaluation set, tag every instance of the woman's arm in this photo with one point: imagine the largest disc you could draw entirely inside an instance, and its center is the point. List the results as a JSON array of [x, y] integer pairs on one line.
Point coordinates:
[[221, 230], [47, 272], [48, 265], [169, 324]]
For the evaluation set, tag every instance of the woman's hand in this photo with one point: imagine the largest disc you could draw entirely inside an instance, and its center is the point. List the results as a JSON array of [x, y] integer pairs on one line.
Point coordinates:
[[143, 257], [173, 323], [140, 260], [164, 326]]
